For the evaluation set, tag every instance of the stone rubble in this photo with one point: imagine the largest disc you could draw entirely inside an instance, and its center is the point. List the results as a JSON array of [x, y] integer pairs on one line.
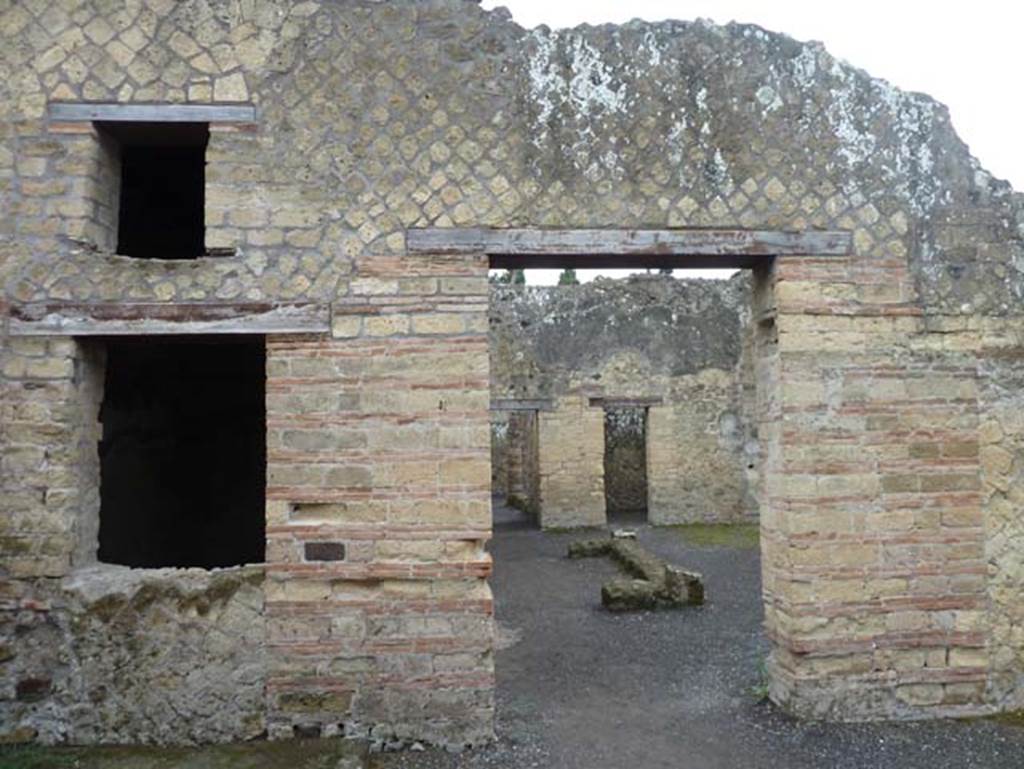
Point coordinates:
[[653, 584]]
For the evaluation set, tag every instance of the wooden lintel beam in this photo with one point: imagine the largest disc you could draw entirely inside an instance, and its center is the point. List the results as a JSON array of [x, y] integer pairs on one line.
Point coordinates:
[[621, 403], [641, 248], [522, 404], [124, 319], [78, 112]]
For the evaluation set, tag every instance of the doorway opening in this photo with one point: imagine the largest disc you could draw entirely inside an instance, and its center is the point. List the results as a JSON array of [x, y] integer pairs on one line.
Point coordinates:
[[625, 464], [183, 452]]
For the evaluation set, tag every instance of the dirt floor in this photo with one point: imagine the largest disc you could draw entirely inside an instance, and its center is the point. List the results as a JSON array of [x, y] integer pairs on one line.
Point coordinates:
[[579, 688]]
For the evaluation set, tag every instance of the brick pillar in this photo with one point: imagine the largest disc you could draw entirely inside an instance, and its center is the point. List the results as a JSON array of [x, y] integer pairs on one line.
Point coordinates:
[[379, 612], [50, 473], [521, 471], [531, 463], [49, 487], [571, 463], [873, 539]]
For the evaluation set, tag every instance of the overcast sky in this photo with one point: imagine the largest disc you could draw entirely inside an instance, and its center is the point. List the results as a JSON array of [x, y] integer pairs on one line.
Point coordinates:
[[966, 55]]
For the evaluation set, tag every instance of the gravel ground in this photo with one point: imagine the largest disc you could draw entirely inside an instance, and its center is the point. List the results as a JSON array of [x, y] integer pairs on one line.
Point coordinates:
[[579, 688]]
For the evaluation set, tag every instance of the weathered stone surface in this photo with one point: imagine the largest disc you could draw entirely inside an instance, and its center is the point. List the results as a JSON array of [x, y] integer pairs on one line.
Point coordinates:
[[885, 408], [296, 754], [147, 656], [654, 584], [625, 594], [683, 344], [546, 339]]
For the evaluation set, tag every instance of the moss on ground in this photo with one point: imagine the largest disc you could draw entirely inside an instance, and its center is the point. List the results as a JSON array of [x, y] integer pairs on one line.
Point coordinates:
[[35, 757], [293, 754], [1011, 718], [741, 536]]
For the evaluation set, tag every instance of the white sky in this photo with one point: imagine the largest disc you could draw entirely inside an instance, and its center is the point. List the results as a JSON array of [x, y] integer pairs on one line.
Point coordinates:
[[966, 55]]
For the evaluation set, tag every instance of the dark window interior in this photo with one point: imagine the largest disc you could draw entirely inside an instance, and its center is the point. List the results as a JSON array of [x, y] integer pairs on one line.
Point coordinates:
[[161, 213], [625, 463], [183, 454]]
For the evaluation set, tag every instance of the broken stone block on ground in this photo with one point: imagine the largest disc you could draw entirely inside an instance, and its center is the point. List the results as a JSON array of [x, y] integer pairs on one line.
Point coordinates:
[[651, 584]]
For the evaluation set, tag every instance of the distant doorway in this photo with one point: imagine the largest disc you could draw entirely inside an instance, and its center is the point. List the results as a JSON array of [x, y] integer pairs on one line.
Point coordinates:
[[625, 464]]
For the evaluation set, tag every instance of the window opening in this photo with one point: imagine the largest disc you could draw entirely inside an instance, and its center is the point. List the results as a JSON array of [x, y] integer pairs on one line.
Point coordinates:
[[183, 452], [161, 209]]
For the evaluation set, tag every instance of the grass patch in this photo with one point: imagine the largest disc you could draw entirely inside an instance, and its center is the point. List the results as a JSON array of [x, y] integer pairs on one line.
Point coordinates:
[[1010, 718], [759, 690], [37, 757], [590, 530], [740, 536], [293, 754]]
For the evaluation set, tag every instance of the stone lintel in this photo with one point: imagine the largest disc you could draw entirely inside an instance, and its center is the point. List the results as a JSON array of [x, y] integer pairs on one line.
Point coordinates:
[[596, 248], [123, 319], [626, 403], [523, 404], [78, 112]]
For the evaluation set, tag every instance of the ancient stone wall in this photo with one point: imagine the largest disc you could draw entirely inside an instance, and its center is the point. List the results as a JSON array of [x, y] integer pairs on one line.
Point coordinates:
[[878, 517], [683, 344], [101, 653], [378, 441], [570, 463], [1001, 454], [889, 504]]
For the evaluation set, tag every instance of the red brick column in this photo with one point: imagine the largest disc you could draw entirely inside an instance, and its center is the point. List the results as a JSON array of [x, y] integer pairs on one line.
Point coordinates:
[[873, 555], [378, 493]]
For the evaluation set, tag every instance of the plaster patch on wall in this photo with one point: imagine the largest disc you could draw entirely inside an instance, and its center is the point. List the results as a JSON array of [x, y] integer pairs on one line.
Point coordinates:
[[590, 87], [855, 101], [702, 99], [544, 82], [856, 142], [805, 65], [913, 160], [651, 46], [566, 71], [768, 98], [675, 148], [719, 172]]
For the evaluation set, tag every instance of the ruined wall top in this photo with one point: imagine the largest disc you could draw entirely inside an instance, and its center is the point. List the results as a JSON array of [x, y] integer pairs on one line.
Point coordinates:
[[375, 117], [544, 340]]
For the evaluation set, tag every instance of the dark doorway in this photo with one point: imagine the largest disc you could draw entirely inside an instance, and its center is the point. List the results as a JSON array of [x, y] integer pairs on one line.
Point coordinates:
[[161, 211], [625, 463], [183, 454]]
